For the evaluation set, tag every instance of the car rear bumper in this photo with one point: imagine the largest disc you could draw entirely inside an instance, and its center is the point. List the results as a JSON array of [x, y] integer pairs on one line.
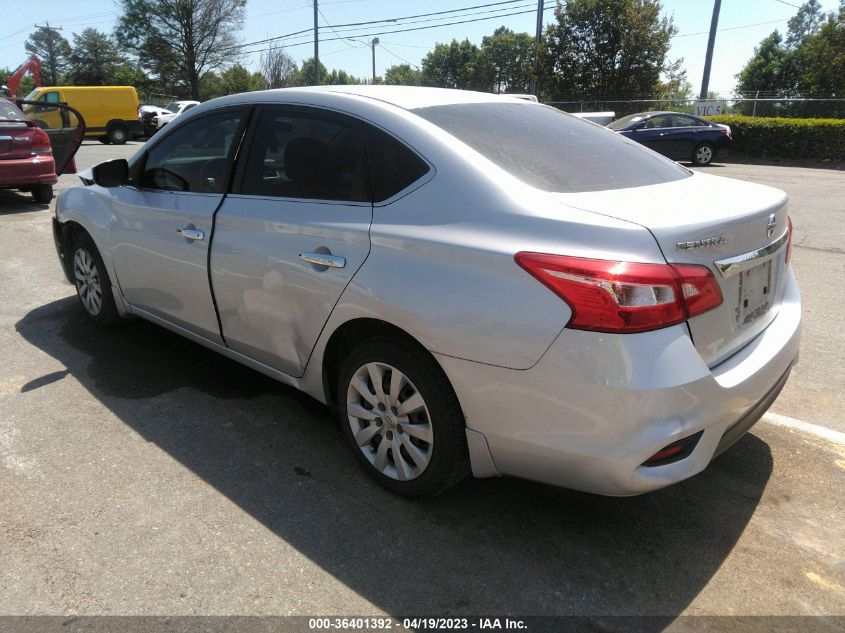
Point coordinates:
[[38, 170], [597, 406]]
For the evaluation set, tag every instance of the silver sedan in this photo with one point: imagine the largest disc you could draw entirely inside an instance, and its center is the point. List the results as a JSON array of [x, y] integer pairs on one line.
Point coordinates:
[[477, 283]]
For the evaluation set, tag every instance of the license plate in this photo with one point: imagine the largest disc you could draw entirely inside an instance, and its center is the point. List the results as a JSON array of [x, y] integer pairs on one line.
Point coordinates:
[[756, 287]]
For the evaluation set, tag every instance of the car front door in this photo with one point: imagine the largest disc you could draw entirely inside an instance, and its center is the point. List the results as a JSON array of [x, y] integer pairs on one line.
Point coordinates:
[[162, 223], [292, 234]]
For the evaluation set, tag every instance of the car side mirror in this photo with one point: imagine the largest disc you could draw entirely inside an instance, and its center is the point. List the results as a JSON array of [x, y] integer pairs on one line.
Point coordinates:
[[112, 173]]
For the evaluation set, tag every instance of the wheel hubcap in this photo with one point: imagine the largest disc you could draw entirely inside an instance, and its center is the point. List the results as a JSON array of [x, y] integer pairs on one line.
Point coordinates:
[[390, 421], [704, 154], [88, 284]]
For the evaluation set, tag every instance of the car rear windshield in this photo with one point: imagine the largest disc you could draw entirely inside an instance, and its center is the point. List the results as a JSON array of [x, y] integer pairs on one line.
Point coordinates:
[[550, 150], [9, 112], [625, 121]]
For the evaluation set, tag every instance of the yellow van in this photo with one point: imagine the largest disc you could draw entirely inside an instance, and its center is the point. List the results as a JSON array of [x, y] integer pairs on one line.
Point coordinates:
[[110, 112]]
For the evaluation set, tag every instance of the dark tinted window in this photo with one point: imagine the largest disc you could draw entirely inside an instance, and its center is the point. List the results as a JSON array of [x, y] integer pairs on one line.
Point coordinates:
[[393, 166], [550, 150], [297, 154], [195, 157]]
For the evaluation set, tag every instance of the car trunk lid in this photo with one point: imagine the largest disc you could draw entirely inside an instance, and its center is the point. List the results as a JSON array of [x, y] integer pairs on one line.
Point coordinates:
[[15, 140], [735, 228]]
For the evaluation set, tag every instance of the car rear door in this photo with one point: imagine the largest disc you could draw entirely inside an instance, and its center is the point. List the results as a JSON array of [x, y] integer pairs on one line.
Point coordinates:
[[292, 234], [162, 223]]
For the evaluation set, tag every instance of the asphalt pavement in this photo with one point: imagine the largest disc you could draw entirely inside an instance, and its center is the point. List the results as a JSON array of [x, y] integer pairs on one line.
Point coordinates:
[[141, 474]]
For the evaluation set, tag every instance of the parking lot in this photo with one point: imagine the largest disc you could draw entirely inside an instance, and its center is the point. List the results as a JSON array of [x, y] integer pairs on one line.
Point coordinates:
[[142, 474]]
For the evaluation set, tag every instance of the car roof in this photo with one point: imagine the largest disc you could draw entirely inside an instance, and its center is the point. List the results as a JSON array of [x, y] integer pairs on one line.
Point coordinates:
[[406, 97]]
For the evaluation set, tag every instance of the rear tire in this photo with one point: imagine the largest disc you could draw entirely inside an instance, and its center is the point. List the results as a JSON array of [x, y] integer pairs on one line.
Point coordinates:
[[42, 194], [703, 154], [93, 286], [118, 135], [412, 442]]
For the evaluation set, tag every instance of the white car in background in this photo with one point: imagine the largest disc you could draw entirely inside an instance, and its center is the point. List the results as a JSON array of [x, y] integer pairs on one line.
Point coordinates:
[[175, 109]]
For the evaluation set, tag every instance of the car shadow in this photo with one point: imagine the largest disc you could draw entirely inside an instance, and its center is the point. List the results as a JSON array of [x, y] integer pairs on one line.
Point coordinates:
[[14, 202], [499, 546]]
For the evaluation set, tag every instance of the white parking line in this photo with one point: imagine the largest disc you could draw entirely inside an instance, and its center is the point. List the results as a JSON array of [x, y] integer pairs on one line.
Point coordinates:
[[830, 435]]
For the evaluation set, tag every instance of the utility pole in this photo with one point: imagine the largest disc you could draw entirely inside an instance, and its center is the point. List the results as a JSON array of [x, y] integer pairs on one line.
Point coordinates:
[[316, 46], [373, 43], [711, 41], [537, 37]]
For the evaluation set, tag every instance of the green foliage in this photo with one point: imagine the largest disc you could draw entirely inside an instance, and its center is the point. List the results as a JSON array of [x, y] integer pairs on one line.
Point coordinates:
[[821, 139], [402, 75], [505, 61], [605, 49], [185, 38], [810, 62], [53, 50], [454, 65], [307, 75], [94, 59]]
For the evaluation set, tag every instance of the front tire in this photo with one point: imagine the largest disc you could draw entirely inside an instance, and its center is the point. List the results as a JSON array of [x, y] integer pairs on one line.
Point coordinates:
[[402, 418], [42, 194], [703, 154], [93, 286]]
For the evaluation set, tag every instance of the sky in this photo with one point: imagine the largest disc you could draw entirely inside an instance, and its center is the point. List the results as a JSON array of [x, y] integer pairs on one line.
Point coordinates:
[[742, 24]]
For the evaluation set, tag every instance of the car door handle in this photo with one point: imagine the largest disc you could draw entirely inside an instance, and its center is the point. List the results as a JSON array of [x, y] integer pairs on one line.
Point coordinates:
[[190, 234], [323, 259]]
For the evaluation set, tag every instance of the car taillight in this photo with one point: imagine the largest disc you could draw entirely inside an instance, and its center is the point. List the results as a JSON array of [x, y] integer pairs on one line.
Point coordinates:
[[788, 240], [726, 131], [40, 142], [614, 296]]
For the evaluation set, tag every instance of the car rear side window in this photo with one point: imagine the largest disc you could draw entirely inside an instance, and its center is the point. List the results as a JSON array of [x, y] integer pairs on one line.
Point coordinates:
[[195, 156], [550, 150], [302, 154], [393, 166]]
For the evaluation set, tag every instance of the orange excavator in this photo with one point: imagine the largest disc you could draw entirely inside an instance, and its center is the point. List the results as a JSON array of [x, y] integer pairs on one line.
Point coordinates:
[[13, 82]]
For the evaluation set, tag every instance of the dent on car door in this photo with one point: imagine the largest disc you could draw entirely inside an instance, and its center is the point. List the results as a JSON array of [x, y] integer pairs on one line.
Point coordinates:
[[162, 222], [292, 234], [65, 127]]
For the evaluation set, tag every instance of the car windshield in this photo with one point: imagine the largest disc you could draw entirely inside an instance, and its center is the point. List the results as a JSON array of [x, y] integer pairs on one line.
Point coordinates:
[[551, 150], [625, 121]]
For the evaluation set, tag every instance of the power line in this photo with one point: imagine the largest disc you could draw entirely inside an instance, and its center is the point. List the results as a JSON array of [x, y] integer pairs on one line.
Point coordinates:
[[732, 28], [373, 22], [418, 28], [789, 4]]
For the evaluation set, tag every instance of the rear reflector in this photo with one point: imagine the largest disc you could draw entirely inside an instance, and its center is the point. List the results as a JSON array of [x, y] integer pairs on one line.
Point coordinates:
[[674, 452], [613, 296]]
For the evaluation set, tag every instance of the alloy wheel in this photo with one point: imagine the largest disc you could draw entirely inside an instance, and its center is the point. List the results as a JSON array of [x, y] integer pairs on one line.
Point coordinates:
[[390, 421], [703, 155], [88, 281]]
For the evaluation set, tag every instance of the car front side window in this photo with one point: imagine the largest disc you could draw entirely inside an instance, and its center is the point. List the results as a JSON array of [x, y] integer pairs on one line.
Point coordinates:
[[195, 157]]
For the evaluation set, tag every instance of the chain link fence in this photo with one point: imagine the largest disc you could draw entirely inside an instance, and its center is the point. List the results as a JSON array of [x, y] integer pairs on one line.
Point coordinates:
[[828, 108]]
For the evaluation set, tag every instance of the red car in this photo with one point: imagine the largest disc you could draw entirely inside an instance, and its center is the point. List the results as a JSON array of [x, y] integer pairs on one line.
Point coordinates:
[[31, 158]]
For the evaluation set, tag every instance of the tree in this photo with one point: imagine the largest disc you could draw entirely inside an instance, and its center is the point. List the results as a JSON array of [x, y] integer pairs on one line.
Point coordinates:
[[505, 61], [307, 74], [194, 36], [770, 70], [454, 65], [402, 75], [605, 49], [806, 22], [277, 67], [53, 51], [93, 58], [236, 79], [821, 58]]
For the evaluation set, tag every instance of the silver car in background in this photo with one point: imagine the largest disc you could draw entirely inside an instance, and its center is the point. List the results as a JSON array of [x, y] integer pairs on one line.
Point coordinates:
[[477, 282]]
